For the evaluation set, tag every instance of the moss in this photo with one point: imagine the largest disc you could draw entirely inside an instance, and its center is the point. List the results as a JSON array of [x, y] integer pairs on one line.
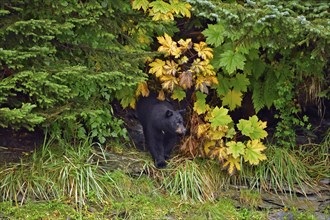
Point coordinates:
[[38, 210]]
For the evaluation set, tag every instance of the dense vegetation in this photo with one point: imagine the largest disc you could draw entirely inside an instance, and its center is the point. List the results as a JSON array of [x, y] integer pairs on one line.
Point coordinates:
[[249, 74]]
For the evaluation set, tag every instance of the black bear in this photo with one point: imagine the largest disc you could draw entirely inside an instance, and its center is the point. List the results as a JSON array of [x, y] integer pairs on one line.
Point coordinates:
[[161, 126]]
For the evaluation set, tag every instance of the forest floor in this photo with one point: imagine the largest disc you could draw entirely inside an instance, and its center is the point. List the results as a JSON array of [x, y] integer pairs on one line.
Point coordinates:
[[149, 201]]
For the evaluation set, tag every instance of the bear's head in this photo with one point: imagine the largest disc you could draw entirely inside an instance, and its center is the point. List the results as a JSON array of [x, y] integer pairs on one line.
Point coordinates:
[[174, 122]]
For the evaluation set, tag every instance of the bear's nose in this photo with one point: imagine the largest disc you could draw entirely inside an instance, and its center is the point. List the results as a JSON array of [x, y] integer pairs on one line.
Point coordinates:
[[181, 130]]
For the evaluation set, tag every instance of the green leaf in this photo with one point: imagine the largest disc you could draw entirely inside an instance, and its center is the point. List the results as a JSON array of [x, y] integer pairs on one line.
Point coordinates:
[[258, 96], [200, 105], [252, 128], [160, 6], [137, 4], [178, 94], [232, 99], [181, 7], [232, 61], [258, 68], [240, 82], [235, 148], [214, 34], [219, 117], [253, 153], [223, 85]]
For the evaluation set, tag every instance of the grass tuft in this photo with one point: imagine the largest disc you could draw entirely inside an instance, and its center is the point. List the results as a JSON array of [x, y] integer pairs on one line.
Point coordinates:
[[58, 171], [284, 171], [193, 180]]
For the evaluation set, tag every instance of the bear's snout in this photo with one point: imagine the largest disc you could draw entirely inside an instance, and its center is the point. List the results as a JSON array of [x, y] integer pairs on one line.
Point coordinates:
[[181, 130]]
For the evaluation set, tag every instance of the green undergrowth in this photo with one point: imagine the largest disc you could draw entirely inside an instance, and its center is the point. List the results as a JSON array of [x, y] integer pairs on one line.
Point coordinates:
[[289, 170], [139, 206], [85, 181]]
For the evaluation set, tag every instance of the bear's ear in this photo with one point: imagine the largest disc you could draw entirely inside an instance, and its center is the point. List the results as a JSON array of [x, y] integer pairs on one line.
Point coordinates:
[[168, 113], [182, 111]]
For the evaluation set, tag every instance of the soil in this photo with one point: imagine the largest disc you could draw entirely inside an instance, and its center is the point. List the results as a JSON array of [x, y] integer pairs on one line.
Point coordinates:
[[15, 144]]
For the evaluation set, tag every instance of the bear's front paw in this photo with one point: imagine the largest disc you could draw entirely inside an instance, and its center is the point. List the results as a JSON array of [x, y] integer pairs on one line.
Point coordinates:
[[160, 164]]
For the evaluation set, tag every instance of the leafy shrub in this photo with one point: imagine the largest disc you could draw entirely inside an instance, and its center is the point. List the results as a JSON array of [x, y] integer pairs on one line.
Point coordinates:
[[271, 49], [186, 67]]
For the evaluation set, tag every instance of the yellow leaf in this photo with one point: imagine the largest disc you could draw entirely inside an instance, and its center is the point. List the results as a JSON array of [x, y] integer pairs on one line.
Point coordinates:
[[202, 84], [161, 95], [212, 79], [171, 67], [157, 67], [262, 124], [208, 147], [197, 66], [218, 151], [132, 103], [203, 67], [209, 70], [183, 60], [142, 89], [168, 46], [159, 16], [218, 132], [138, 4], [232, 164], [203, 50], [168, 82], [202, 129], [186, 79], [185, 44], [253, 153]]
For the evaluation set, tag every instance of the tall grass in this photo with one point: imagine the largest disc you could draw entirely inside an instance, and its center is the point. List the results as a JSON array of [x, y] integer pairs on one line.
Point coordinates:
[[193, 180], [284, 171], [56, 171], [317, 156]]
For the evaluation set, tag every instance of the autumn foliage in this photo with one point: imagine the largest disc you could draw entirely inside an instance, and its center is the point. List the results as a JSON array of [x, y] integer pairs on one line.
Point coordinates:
[[187, 66]]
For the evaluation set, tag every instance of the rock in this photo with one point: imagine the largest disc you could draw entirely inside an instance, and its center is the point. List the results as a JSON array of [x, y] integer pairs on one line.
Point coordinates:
[[281, 215]]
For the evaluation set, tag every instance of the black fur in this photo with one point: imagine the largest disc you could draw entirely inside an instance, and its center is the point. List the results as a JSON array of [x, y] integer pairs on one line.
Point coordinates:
[[161, 126]]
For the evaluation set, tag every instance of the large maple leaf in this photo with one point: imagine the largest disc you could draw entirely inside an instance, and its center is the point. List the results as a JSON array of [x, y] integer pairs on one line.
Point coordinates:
[[253, 153], [168, 82], [157, 67], [203, 50], [223, 86], [168, 46], [181, 7], [178, 94], [171, 67], [160, 6], [252, 128], [235, 148], [232, 61], [142, 89], [202, 84], [240, 82], [232, 99], [219, 117], [137, 4], [214, 34], [185, 44]]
